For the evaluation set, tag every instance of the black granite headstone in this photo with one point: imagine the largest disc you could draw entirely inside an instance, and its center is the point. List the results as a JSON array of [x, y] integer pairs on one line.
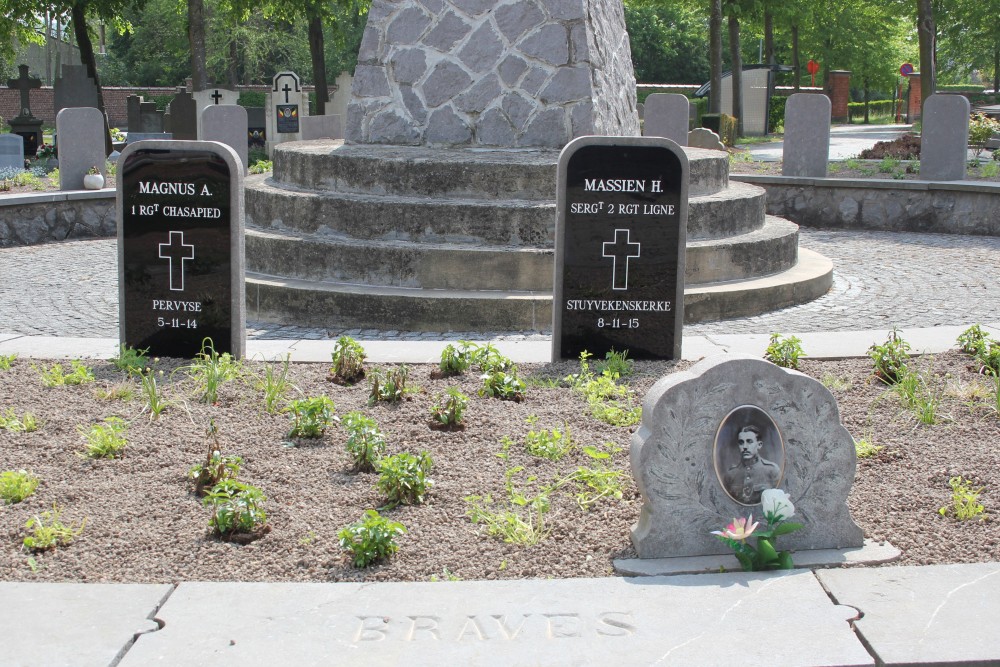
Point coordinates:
[[180, 248], [620, 240]]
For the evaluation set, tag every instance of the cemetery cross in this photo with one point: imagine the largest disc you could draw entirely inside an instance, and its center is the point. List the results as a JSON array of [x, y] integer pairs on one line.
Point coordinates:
[[24, 83]]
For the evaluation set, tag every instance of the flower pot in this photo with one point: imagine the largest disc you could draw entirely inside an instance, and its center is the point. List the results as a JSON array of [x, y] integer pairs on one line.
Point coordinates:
[[93, 181]]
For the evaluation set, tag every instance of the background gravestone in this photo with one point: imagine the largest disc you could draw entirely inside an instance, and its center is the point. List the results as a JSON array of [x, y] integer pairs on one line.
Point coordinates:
[[256, 127], [287, 103], [212, 97], [227, 124], [489, 73], [687, 431], [74, 89], [702, 137], [322, 127], [667, 115], [806, 148], [11, 152], [24, 124], [183, 112], [944, 138], [620, 239], [82, 146], [180, 248]]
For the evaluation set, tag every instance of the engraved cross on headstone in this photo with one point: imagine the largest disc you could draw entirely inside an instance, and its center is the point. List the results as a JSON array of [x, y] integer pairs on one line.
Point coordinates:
[[176, 249], [216, 96], [621, 250], [24, 83], [287, 89]]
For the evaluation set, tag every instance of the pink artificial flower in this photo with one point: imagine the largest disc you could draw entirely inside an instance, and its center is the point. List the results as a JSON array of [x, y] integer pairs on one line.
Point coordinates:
[[738, 529]]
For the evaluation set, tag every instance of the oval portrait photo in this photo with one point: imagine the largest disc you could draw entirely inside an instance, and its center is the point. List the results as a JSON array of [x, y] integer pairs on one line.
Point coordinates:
[[749, 454]]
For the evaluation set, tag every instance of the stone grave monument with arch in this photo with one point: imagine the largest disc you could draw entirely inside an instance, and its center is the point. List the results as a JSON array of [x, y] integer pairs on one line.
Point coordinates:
[[437, 212]]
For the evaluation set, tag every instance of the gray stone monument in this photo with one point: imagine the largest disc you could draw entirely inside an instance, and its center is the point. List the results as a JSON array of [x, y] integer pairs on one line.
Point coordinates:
[[212, 97], [323, 127], [11, 152], [24, 124], [338, 101], [806, 149], [702, 137], [286, 105], [486, 73], [82, 145], [74, 89], [183, 113], [227, 124], [667, 115], [691, 469], [944, 140]]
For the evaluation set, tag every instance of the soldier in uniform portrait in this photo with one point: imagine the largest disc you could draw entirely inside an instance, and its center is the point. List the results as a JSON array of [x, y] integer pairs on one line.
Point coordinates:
[[752, 474]]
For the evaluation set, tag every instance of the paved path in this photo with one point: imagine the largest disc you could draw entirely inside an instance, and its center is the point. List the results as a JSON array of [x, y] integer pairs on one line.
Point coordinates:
[[881, 279], [845, 141]]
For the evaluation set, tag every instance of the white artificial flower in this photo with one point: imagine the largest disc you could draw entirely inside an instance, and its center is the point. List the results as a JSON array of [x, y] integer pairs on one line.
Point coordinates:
[[777, 505]]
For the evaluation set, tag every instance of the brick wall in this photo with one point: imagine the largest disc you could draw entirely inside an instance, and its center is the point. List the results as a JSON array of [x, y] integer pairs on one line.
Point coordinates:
[[838, 87], [41, 101], [913, 105]]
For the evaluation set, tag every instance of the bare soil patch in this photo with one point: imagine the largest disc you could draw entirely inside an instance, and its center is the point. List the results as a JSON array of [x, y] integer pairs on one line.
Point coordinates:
[[144, 522]]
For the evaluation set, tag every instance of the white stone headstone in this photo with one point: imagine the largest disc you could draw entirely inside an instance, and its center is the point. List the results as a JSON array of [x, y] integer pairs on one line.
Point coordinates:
[[667, 115], [212, 97], [702, 137], [806, 148], [340, 99], [287, 103], [323, 127], [11, 151], [81, 145], [944, 139], [227, 123]]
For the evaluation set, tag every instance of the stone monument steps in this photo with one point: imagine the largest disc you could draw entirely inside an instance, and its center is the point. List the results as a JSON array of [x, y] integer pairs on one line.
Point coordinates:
[[762, 252], [398, 263], [338, 305], [474, 173], [733, 211]]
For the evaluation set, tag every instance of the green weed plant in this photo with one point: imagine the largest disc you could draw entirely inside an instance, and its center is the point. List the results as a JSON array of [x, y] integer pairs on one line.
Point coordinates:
[[865, 448], [155, 402], [26, 423], [915, 392], [388, 385], [130, 360], [547, 444], [6, 361], [890, 358], [503, 385], [965, 503], [120, 391], [456, 360], [16, 485], [56, 376], [217, 467], [105, 440], [348, 361], [449, 409], [616, 364], [519, 520], [365, 442], [275, 385], [310, 416], [211, 370], [236, 508], [371, 539], [403, 478], [784, 351], [48, 531]]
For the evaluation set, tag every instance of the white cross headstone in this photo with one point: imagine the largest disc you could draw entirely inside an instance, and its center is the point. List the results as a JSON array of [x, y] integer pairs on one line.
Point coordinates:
[[287, 103]]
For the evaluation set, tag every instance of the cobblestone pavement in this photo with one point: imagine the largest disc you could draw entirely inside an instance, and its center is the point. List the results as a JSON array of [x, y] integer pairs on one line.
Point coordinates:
[[881, 279]]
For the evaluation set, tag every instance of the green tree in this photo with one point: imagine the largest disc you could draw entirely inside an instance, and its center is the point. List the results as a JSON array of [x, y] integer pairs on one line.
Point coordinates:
[[668, 42], [970, 39]]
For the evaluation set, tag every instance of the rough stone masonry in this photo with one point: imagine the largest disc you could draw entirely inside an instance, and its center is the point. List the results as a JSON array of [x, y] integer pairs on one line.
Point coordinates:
[[504, 73]]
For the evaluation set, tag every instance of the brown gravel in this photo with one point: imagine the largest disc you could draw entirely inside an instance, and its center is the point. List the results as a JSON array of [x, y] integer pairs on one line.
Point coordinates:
[[144, 523]]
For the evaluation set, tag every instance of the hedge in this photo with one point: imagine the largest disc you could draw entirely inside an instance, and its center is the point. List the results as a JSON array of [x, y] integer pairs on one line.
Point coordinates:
[[876, 109]]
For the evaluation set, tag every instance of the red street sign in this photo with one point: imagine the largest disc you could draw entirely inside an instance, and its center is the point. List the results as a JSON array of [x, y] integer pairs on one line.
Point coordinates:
[[906, 69], [812, 67]]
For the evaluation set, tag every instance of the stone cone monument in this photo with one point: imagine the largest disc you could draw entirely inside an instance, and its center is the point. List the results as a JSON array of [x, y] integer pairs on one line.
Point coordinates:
[[438, 211]]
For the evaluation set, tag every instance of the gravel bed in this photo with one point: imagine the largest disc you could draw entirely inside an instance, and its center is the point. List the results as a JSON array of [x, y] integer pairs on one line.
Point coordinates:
[[145, 524]]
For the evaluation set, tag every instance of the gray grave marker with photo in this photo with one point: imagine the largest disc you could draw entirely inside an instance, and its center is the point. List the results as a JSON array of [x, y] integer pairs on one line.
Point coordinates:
[[944, 139], [287, 103], [621, 226], [694, 478], [806, 149], [181, 248], [667, 115], [227, 124], [74, 89], [11, 152], [82, 145]]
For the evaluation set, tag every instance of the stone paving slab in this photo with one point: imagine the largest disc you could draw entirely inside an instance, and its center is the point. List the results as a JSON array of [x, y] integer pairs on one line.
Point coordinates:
[[754, 619], [77, 625], [932, 615]]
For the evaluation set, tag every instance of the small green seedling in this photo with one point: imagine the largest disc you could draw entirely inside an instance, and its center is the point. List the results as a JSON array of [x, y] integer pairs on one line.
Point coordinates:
[[449, 410], [965, 503], [105, 440], [16, 485], [6, 361], [388, 385], [217, 467], [972, 340], [310, 416], [890, 358], [365, 442], [120, 391], [27, 423], [616, 364], [56, 376], [784, 352], [48, 531], [503, 385], [488, 359], [455, 360], [236, 508], [371, 539], [155, 402], [130, 360], [866, 449], [275, 384], [348, 361], [548, 444], [403, 478], [210, 370]]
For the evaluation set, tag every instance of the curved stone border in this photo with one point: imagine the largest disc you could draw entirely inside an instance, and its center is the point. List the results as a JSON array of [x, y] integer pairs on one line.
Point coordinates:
[[953, 207], [56, 216]]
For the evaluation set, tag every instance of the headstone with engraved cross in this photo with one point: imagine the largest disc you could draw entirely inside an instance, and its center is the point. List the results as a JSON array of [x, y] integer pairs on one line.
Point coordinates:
[[620, 235], [180, 248], [25, 124], [212, 97], [287, 103]]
